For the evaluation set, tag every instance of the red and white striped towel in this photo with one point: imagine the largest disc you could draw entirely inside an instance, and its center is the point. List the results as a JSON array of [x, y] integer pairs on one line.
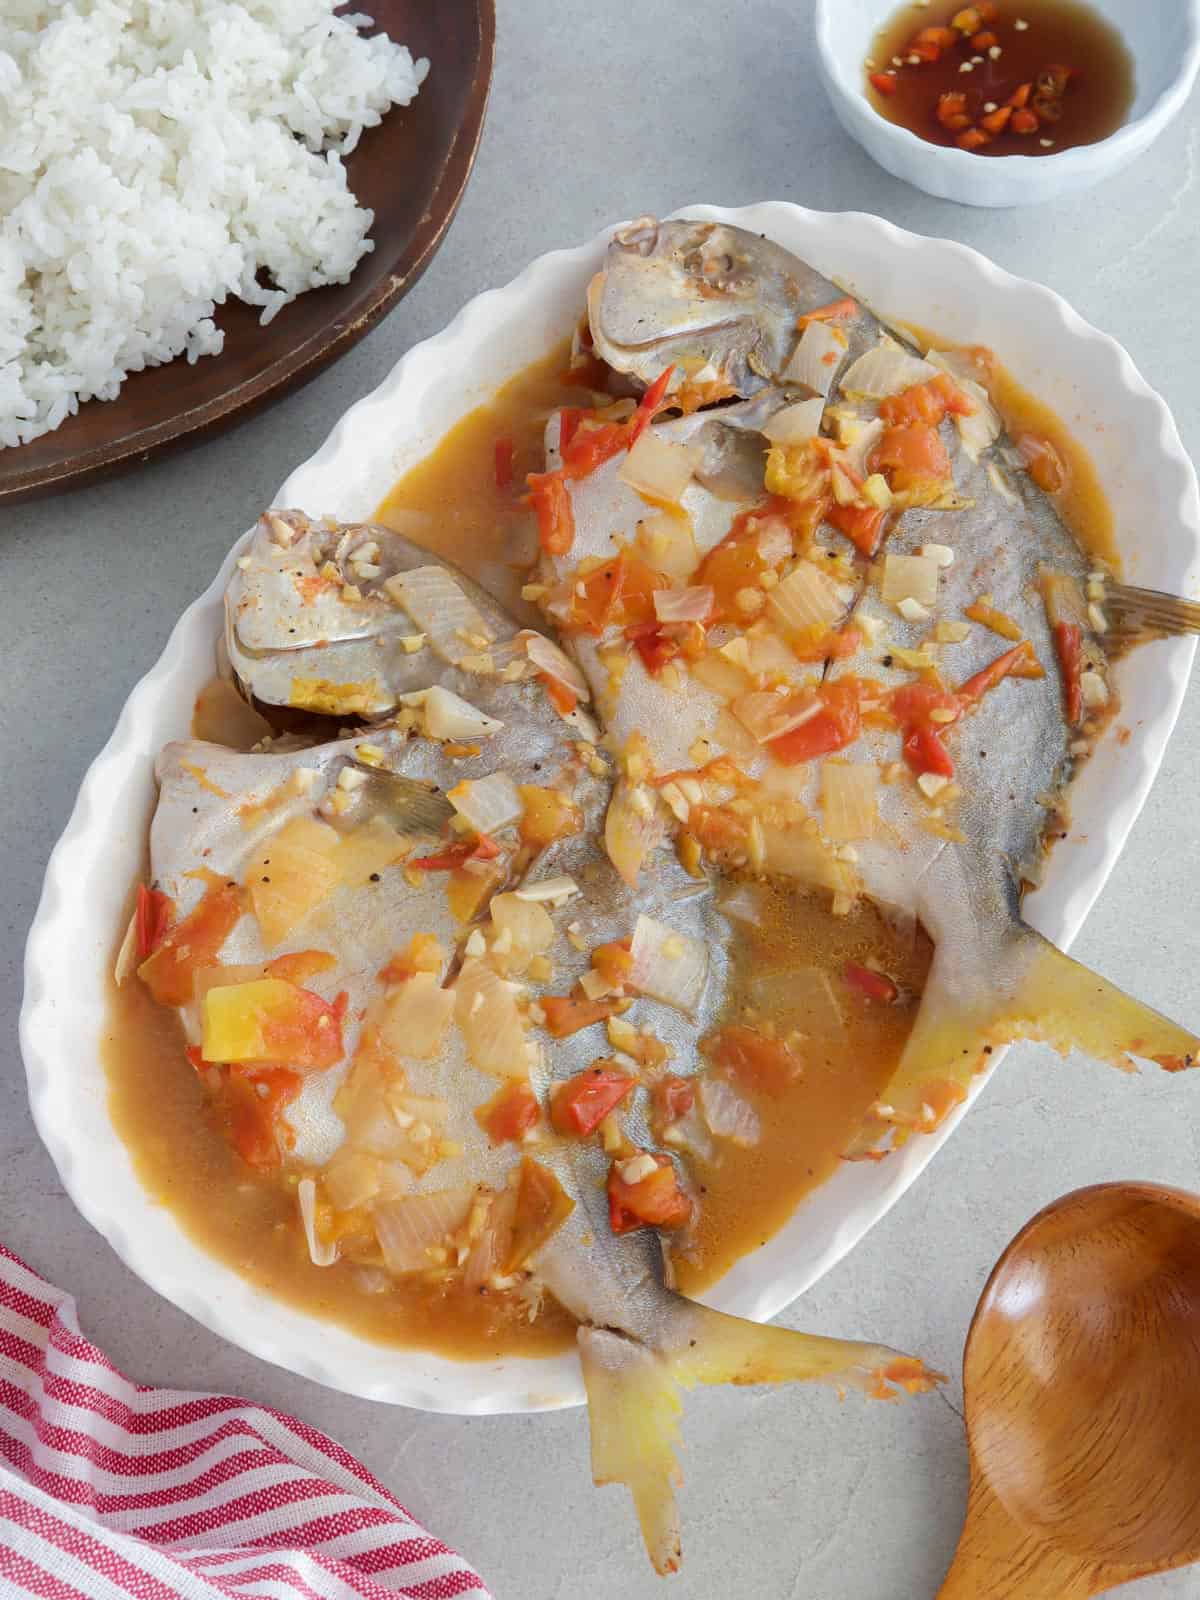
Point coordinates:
[[109, 1489]]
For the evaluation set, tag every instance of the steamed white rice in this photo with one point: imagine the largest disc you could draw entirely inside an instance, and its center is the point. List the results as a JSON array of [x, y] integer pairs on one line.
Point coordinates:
[[157, 156]]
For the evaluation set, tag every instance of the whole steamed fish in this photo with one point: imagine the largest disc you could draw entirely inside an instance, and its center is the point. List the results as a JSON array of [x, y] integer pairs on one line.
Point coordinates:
[[904, 728], [394, 917]]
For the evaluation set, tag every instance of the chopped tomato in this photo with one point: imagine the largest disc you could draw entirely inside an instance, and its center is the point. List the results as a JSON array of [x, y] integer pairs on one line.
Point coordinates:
[[718, 830], [673, 1097], [927, 402], [511, 1112], [754, 1059], [562, 697], [1068, 641], [568, 421], [154, 911], [614, 961], [549, 815], [1042, 461], [566, 1014], [835, 311], [652, 402], [254, 1101], [913, 454], [874, 985], [925, 752], [503, 460], [542, 1207], [655, 1201], [862, 525], [976, 687], [825, 644], [192, 944], [556, 520], [835, 726], [300, 965], [481, 848], [620, 591], [591, 446], [912, 703], [580, 1105]]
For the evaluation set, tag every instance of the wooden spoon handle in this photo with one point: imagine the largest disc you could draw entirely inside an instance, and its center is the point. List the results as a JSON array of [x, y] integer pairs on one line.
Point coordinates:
[[998, 1560]]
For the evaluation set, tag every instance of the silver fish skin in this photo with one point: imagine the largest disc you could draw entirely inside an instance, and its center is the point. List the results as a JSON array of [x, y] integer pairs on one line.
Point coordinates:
[[993, 977], [707, 298]]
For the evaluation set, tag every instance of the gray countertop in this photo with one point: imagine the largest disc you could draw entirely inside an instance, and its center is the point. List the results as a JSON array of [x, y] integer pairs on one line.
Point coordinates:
[[600, 112]]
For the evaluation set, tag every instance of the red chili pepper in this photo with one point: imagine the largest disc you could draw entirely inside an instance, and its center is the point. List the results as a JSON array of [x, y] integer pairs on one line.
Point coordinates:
[[975, 688], [503, 454], [482, 849], [874, 985], [1068, 642], [925, 752], [652, 402], [153, 919], [885, 82]]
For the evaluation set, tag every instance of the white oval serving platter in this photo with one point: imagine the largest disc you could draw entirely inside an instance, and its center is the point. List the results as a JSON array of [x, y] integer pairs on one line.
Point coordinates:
[[1084, 375]]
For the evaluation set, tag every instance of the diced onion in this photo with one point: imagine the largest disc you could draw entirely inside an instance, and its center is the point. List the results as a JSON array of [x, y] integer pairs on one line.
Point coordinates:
[[909, 578], [321, 1252], [668, 966], [766, 715], [886, 370], [807, 598], [416, 1017], [448, 716], [719, 674], [980, 428], [743, 902], [527, 924], [441, 610], [793, 853], [659, 469], [816, 358], [849, 792], [555, 663], [858, 440], [668, 542], [694, 604], [769, 653], [795, 424], [1063, 598], [801, 996], [488, 804], [728, 1115], [351, 1179], [487, 1013], [408, 1228], [491, 1249]]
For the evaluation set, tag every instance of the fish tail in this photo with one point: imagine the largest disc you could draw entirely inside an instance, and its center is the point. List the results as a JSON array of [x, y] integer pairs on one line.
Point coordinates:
[[634, 1404], [1033, 991]]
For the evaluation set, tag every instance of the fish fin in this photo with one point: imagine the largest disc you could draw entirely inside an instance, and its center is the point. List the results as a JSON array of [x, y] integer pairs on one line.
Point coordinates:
[[633, 1409], [1033, 991], [724, 1349], [634, 1404]]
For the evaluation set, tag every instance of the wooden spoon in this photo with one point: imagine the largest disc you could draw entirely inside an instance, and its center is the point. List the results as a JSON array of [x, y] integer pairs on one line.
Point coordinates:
[[1082, 1385]]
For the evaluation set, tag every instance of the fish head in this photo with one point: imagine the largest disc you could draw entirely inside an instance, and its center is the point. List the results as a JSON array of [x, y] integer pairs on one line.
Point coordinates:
[[346, 619], [717, 303]]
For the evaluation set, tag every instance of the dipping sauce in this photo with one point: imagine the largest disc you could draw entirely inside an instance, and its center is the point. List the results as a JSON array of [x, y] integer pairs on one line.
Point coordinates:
[[1002, 77]]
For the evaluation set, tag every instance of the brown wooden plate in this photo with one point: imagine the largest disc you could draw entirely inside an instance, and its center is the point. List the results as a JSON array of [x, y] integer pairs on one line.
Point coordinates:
[[411, 170]]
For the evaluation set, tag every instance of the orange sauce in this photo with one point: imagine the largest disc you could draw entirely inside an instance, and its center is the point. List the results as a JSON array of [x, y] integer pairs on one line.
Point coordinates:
[[1034, 78]]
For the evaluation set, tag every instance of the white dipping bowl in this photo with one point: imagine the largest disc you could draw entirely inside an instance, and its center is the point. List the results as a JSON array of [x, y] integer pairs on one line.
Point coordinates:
[[1163, 36]]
